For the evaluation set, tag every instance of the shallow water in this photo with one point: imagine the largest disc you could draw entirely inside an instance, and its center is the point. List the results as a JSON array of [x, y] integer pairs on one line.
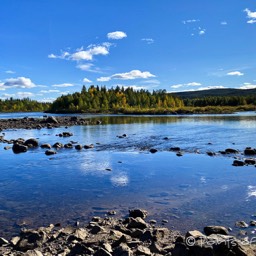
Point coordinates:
[[190, 191]]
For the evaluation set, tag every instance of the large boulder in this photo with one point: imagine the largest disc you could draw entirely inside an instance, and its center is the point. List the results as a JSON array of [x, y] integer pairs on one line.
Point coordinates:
[[51, 119], [31, 143], [19, 148], [138, 213], [250, 151]]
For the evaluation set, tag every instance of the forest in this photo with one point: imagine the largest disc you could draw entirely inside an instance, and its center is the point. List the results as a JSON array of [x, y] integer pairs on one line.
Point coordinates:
[[22, 105], [97, 99]]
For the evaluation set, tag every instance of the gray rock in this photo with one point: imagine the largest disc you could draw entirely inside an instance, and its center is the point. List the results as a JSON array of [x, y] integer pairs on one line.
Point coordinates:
[[137, 223], [89, 146], [57, 145], [250, 161], [33, 253], [51, 119], [231, 151], [241, 224], [153, 150], [138, 213], [142, 250], [122, 250], [215, 230], [3, 241]]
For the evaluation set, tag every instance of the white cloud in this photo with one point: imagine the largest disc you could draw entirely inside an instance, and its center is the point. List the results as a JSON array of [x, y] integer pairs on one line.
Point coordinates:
[[88, 54], [152, 81], [135, 87], [8, 95], [19, 82], [148, 40], [190, 21], [223, 23], [25, 94], [202, 88], [201, 31], [116, 35], [193, 84], [176, 86], [251, 16], [89, 67], [235, 73], [49, 91], [63, 85], [10, 72], [86, 80], [81, 54], [246, 86], [134, 74], [104, 79]]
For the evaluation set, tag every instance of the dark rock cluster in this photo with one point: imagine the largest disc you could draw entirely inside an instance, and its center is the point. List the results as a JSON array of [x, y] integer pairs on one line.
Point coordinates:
[[45, 122], [130, 236]]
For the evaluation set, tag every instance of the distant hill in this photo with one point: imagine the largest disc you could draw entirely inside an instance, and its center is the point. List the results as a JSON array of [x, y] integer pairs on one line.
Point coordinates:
[[214, 93]]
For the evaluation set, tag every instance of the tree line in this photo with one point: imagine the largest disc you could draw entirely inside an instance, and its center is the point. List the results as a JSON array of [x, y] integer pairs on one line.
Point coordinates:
[[101, 99], [23, 105], [97, 99]]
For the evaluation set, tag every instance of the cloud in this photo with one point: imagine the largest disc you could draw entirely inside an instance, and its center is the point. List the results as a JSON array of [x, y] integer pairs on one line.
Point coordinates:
[[223, 23], [89, 67], [201, 88], [49, 91], [48, 100], [135, 87], [190, 21], [63, 85], [86, 80], [148, 40], [10, 72], [116, 35], [247, 86], [134, 74], [19, 82], [176, 86], [25, 94], [251, 16], [235, 73], [81, 54], [201, 31], [152, 81]]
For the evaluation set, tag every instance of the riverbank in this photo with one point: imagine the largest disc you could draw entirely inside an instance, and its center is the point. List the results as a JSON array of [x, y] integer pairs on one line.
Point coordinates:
[[133, 235], [45, 122]]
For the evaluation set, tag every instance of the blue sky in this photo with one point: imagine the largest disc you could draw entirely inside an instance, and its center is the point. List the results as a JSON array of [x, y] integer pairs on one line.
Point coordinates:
[[53, 47]]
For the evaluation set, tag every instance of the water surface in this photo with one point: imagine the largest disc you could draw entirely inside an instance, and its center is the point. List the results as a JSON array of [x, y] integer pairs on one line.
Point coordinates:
[[190, 191]]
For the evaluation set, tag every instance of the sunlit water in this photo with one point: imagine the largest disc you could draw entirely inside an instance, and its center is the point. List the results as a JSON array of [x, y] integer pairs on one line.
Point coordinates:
[[190, 191]]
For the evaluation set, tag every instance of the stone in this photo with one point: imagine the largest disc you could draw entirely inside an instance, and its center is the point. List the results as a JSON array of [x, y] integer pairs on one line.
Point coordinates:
[[252, 223], [68, 145], [137, 223], [122, 250], [215, 230], [238, 163], [250, 151], [3, 241], [89, 146], [138, 213], [250, 161], [78, 147], [142, 250], [57, 145], [175, 149], [51, 119], [19, 148], [241, 224], [33, 253], [50, 152], [195, 234], [153, 150], [46, 145], [31, 143], [231, 151]]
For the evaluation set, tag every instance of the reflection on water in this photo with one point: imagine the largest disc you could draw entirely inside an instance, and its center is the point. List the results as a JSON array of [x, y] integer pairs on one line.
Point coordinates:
[[119, 173]]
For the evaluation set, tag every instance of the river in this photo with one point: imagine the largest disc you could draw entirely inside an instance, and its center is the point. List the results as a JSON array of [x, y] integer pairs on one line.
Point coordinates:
[[120, 173]]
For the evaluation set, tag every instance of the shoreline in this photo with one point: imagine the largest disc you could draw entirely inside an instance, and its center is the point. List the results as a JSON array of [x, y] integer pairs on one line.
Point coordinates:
[[133, 235]]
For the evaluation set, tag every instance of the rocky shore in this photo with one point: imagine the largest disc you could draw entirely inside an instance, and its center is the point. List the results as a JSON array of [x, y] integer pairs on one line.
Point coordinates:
[[133, 235], [45, 122]]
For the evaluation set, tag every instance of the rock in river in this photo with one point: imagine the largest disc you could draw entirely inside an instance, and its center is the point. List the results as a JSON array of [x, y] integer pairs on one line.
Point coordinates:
[[19, 148]]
